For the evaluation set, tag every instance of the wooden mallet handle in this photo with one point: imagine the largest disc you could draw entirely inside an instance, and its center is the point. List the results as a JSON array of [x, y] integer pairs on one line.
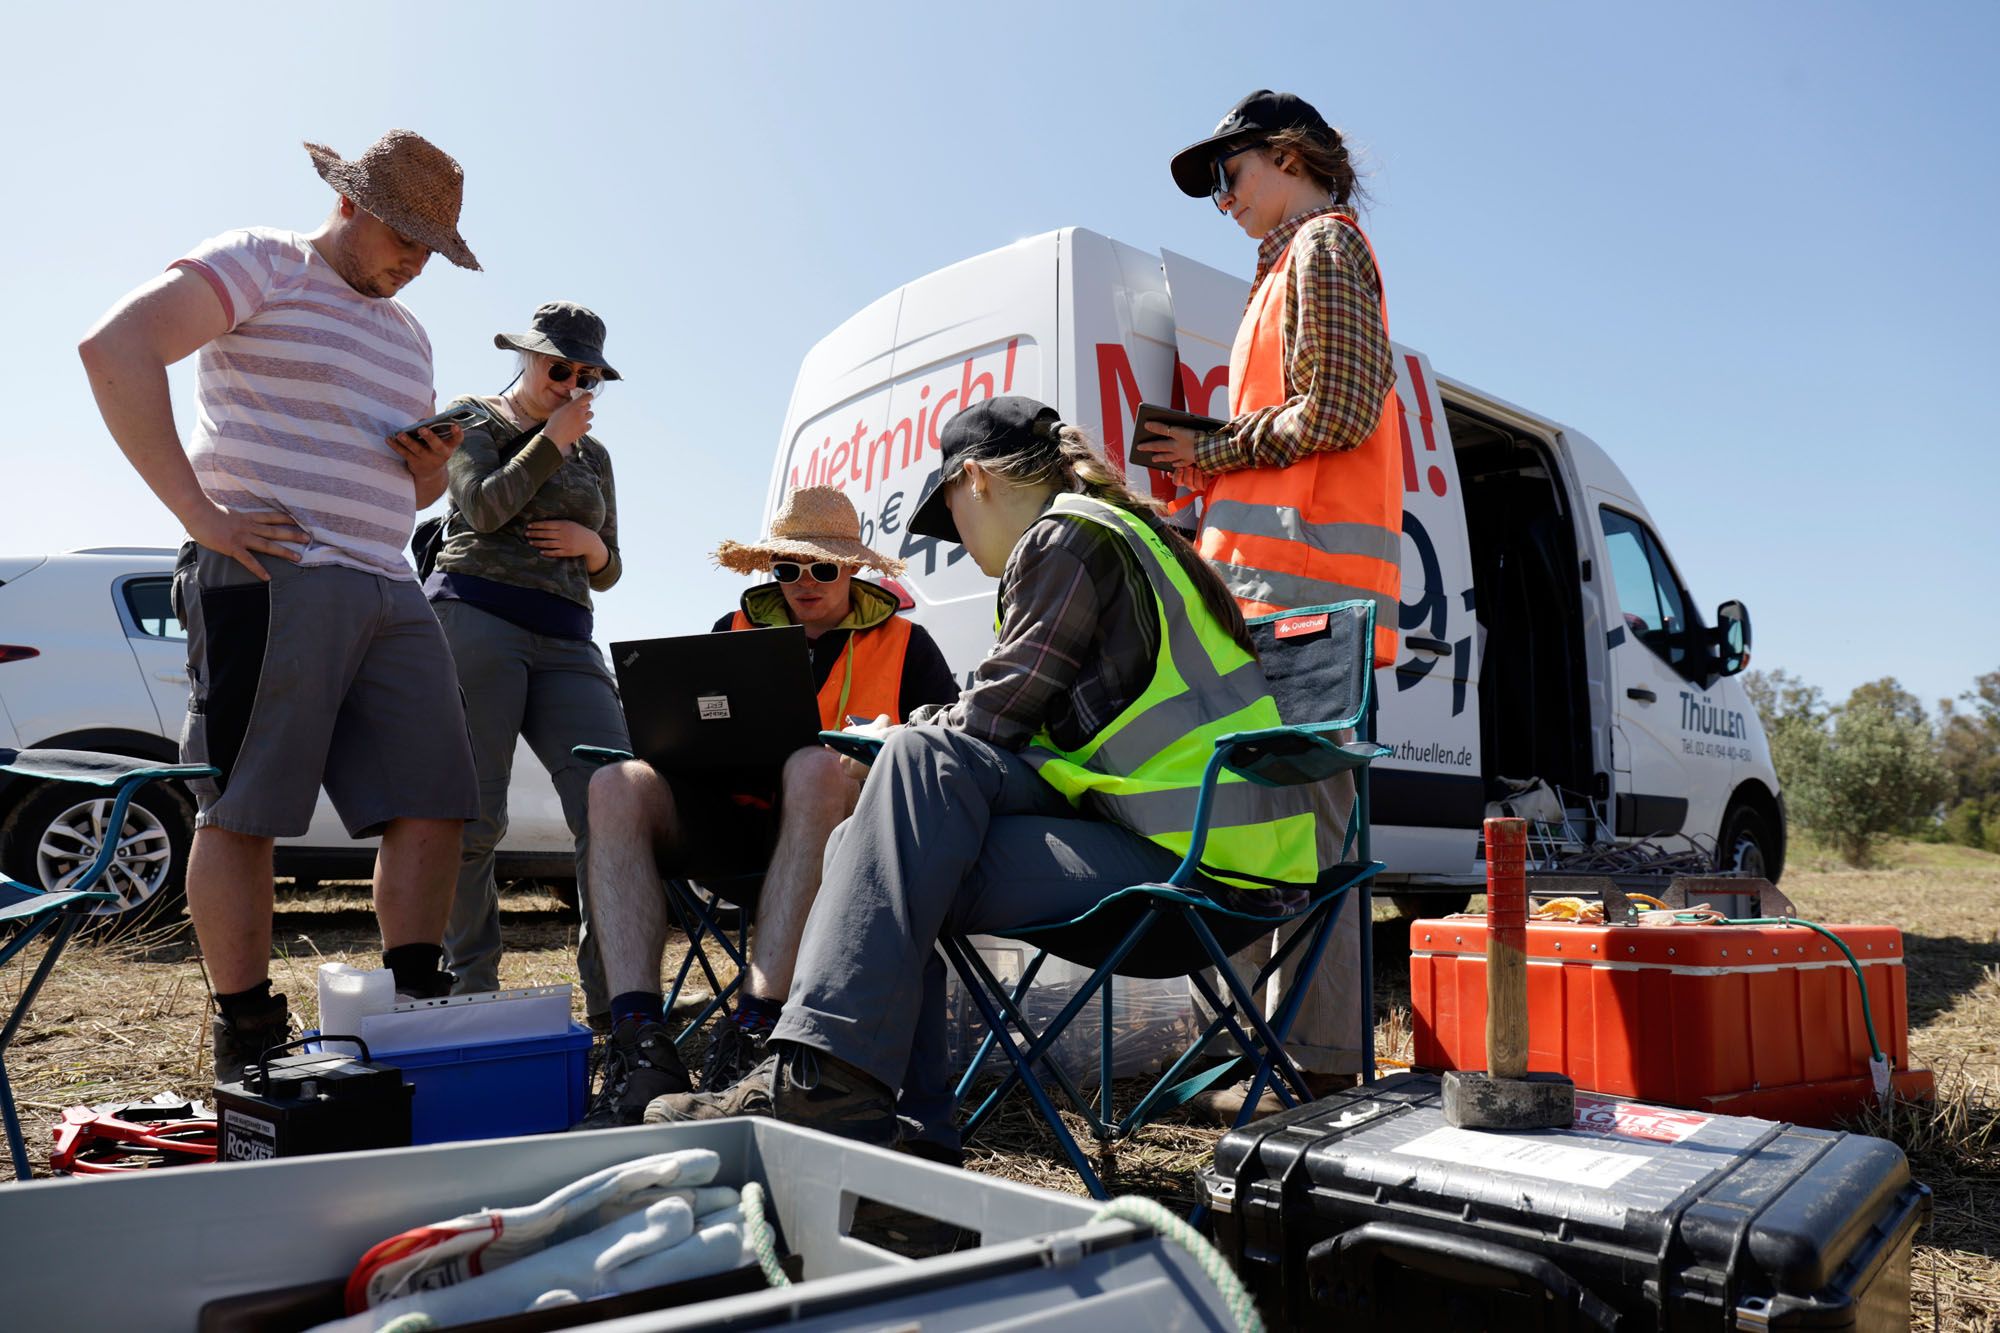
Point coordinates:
[[1507, 948]]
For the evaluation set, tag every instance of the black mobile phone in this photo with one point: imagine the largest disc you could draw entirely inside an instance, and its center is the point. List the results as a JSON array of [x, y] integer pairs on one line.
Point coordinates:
[[462, 415], [853, 745], [1150, 413]]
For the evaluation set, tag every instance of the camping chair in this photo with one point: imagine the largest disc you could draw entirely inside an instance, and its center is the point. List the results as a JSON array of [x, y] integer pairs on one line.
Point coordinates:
[[1320, 672], [58, 912], [692, 909]]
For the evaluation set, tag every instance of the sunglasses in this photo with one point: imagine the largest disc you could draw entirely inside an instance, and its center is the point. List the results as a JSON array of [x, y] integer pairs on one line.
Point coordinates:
[[1223, 185], [587, 377], [788, 571]]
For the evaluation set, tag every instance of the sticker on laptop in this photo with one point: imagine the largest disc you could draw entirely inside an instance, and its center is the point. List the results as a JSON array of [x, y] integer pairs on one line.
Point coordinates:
[[713, 707], [1602, 1115], [1521, 1156]]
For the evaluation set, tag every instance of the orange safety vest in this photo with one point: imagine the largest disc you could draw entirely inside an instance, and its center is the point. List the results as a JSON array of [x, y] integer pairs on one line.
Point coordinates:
[[868, 681], [1329, 528]]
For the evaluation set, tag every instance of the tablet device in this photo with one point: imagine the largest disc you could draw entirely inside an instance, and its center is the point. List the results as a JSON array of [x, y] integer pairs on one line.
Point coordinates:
[[1141, 431]]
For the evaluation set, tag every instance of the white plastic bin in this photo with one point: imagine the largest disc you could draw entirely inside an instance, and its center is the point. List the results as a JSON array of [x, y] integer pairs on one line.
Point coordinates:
[[149, 1251]]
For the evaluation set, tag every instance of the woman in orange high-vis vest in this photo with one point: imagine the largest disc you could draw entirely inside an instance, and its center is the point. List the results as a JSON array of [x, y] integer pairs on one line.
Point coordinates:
[[1302, 489]]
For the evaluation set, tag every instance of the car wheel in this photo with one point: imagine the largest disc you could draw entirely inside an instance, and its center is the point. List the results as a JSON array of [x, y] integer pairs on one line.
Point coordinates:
[[51, 837], [1415, 905], [1747, 845]]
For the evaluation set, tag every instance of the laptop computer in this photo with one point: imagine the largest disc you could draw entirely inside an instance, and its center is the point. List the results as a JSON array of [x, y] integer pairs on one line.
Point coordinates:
[[741, 701]]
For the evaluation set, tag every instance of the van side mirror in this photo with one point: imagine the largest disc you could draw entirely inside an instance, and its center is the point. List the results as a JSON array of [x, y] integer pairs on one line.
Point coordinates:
[[1732, 637]]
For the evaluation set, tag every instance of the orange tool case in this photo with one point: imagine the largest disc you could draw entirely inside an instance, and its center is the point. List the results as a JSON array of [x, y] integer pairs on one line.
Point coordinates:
[[1743, 1020]]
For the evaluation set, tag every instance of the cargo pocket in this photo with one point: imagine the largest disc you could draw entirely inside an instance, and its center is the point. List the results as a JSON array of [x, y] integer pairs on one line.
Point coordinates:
[[235, 630]]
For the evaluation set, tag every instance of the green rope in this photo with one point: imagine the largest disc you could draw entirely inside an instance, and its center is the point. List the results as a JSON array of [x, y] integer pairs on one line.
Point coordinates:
[[1147, 1213], [757, 1234], [1867, 1014]]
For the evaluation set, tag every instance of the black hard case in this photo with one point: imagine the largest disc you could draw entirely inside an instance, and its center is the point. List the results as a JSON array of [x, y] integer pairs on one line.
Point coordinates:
[[1330, 1214]]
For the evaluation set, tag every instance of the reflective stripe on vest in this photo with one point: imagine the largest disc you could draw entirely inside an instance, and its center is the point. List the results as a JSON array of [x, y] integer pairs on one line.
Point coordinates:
[[1328, 528], [1143, 769], [868, 680]]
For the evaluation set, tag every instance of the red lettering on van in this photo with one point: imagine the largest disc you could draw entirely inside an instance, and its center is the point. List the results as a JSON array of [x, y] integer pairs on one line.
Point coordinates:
[[1197, 393], [1118, 401], [1436, 475]]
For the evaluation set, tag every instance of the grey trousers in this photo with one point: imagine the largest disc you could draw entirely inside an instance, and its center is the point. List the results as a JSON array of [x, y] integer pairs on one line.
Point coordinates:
[[555, 693], [950, 834]]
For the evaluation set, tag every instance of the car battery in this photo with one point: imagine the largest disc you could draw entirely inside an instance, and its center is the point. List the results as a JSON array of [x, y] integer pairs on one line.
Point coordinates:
[[1741, 1020], [1368, 1206], [318, 1102]]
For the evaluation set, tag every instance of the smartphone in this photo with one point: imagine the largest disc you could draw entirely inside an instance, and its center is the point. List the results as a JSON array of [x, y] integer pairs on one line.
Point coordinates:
[[1149, 413], [854, 746], [462, 415]]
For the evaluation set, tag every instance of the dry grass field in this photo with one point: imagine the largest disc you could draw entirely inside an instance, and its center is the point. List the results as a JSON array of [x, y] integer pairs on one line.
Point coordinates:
[[125, 1020]]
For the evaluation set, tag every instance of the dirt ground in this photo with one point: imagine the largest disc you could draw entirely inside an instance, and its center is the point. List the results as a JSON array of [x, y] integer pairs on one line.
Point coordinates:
[[125, 1020]]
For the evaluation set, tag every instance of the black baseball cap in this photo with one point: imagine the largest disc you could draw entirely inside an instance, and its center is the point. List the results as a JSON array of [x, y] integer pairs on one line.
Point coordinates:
[[1258, 116], [987, 429]]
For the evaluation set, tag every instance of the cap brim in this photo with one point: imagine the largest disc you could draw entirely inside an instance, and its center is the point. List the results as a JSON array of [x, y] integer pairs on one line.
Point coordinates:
[[932, 516], [1193, 166]]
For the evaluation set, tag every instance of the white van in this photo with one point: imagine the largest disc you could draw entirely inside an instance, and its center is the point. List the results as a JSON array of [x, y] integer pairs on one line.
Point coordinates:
[[1545, 632]]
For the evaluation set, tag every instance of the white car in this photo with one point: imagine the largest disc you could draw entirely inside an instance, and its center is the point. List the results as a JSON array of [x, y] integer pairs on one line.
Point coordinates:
[[92, 658]]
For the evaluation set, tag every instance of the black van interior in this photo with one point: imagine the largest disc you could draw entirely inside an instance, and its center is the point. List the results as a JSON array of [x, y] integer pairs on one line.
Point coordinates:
[[1534, 704]]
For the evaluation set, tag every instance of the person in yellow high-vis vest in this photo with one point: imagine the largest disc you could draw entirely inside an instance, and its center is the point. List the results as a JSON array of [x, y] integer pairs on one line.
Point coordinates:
[[1302, 489], [766, 844], [1065, 772]]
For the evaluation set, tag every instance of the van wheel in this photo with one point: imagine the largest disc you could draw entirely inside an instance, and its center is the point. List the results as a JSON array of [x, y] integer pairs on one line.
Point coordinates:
[[53, 835], [1414, 905], [1747, 846]]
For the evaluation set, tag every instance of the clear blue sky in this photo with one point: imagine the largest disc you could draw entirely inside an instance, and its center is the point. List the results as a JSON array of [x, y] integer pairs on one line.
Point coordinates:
[[1747, 248]]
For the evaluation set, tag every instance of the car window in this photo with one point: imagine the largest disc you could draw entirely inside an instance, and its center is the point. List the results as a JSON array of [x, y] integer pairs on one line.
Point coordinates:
[[1649, 596], [150, 603]]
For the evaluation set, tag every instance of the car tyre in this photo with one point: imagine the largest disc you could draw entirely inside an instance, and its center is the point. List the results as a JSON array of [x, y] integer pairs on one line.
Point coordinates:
[[1748, 845], [56, 829]]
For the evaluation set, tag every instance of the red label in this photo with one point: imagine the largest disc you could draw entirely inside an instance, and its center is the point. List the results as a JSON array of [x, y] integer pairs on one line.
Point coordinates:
[[1297, 625], [1599, 1115]]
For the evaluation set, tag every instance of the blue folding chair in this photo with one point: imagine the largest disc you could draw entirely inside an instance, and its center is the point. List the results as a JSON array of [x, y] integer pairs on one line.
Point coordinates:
[[693, 913], [57, 912], [1320, 672]]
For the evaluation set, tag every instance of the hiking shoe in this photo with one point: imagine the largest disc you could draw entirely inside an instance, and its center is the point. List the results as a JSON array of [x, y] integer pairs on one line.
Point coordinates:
[[239, 1045], [640, 1063], [813, 1089], [733, 1051], [749, 1095], [433, 987]]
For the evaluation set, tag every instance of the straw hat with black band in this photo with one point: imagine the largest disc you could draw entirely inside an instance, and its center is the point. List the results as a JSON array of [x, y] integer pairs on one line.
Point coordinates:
[[566, 331], [407, 182], [814, 523]]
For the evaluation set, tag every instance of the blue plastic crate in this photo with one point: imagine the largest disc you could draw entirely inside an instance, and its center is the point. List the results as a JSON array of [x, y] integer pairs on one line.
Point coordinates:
[[496, 1089]]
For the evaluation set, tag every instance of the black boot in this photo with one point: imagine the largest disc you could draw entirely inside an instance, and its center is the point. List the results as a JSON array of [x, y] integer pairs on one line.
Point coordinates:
[[241, 1040], [640, 1063]]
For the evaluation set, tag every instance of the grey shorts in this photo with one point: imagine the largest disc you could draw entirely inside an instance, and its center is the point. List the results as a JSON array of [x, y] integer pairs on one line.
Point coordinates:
[[323, 675]]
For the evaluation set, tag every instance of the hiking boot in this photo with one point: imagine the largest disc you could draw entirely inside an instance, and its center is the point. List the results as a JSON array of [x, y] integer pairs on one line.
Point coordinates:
[[1223, 1105], [433, 987], [240, 1044], [813, 1089], [640, 1063], [749, 1095], [733, 1051]]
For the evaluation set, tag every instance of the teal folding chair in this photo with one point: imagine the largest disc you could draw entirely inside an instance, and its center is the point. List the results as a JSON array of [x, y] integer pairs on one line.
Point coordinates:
[[33, 912], [1319, 665], [693, 913]]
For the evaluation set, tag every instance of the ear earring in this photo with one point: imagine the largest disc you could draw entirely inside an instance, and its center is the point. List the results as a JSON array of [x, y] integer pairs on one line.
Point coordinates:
[[978, 494]]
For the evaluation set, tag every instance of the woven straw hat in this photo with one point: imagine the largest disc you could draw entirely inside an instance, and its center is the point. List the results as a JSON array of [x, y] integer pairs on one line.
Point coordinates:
[[814, 523], [408, 182]]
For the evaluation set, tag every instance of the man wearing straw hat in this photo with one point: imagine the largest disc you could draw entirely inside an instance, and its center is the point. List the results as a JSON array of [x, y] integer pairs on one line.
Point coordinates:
[[312, 655], [868, 662]]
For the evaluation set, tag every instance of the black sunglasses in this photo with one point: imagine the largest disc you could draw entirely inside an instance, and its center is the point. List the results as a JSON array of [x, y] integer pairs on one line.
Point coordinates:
[[788, 571], [1223, 185], [587, 377]]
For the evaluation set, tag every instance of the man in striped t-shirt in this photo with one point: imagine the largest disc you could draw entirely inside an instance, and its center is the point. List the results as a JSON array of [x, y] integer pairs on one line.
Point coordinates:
[[313, 657]]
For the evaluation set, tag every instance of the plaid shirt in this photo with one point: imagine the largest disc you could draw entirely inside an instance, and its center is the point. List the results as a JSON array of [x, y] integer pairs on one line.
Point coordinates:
[[1078, 639], [1337, 357]]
